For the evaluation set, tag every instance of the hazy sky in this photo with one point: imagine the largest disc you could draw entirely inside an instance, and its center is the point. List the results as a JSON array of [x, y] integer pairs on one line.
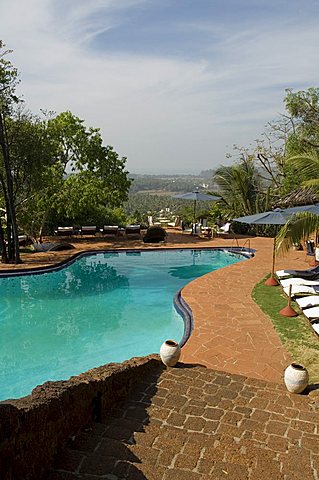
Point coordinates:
[[173, 84]]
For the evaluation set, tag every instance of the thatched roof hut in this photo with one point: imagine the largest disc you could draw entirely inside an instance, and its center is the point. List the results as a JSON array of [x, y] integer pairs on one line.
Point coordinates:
[[301, 196]]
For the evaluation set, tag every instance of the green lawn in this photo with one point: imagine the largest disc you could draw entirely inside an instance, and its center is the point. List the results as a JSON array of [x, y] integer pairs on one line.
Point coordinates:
[[295, 332]]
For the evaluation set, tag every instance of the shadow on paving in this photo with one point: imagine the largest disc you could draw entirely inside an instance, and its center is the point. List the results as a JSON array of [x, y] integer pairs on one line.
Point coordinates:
[[194, 423], [108, 447]]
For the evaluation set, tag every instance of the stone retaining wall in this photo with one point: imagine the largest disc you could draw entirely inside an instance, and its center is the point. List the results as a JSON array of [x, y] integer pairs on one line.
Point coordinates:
[[32, 428]]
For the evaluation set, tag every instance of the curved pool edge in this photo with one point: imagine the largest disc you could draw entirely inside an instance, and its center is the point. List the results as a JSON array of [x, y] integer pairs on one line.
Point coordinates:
[[185, 311], [179, 303], [245, 252]]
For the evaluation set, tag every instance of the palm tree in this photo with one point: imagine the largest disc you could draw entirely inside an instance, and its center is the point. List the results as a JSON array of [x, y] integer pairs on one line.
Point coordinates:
[[239, 187], [299, 227], [308, 164]]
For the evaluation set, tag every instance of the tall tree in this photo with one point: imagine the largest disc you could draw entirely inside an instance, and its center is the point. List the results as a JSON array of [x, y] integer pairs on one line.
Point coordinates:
[[80, 175], [8, 82]]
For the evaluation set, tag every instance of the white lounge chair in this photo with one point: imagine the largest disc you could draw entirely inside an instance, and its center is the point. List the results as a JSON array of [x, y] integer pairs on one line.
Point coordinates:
[[133, 230], [298, 281], [299, 290], [174, 224], [315, 326], [224, 230], [65, 231], [311, 313], [282, 274], [88, 230], [110, 230], [308, 302]]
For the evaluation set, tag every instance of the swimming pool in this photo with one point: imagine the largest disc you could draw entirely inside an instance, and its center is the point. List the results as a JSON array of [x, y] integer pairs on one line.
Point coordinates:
[[102, 308]]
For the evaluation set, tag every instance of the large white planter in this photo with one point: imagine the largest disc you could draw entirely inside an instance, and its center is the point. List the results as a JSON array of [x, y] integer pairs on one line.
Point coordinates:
[[170, 352], [296, 378]]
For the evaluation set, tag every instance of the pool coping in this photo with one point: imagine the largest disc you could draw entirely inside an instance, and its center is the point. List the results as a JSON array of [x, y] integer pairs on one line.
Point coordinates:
[[245, 252]]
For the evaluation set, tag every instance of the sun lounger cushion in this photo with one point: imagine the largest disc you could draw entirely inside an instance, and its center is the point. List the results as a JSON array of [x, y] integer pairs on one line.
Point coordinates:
[[307, 302], [110, 229], [302, 290], [315, 326], [283, 273], [133, 229], [308, 273], [311, 312], [298, 281]]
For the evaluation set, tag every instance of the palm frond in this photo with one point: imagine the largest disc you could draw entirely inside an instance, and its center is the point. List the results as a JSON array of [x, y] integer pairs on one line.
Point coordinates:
[[301, 226], [314, 183], [308, 163]]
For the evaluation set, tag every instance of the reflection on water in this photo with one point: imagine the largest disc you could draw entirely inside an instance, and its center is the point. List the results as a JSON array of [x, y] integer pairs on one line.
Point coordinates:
[[102, 308]]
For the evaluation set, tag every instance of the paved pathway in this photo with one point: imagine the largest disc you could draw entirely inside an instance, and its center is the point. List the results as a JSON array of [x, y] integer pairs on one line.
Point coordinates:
[[231, 332], [195, 423]]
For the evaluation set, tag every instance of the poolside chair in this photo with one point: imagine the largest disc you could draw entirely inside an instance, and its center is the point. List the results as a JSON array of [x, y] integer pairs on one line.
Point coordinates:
[[311, 313], [174, 224], [310, 246], [315, 326], [88, 230], [308, 301], [110, 230], [133, 230], [311, 273], [65, 231], [24, 240], [224, 230], [52, 246], [151, 223], [196, 229], [300, 290], [297, 281]]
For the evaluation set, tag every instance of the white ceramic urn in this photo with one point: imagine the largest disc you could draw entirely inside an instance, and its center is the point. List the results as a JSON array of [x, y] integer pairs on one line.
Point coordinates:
[[296, 378], [170, 352]]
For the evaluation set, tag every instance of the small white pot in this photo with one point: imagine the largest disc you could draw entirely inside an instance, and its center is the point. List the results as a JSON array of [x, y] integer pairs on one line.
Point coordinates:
[[170, 352], [296, 378]]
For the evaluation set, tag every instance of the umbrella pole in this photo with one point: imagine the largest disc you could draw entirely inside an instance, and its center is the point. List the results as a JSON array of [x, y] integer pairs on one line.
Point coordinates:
[[194, 219], [271, 281], [288, 311]]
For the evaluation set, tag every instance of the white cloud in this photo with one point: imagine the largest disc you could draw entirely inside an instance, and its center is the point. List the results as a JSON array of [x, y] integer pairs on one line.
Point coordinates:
[[163, 113]]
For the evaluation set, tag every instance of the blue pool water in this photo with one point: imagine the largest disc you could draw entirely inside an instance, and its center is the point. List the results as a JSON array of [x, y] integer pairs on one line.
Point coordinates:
[[102, 308]]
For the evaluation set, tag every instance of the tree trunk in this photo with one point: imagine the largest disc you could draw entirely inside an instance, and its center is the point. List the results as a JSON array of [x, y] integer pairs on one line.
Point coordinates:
[[4, 257], [13, 241]]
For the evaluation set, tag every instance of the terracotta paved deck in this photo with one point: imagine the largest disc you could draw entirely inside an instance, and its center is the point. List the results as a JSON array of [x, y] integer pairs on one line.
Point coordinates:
[[198, 424], [231, 332]]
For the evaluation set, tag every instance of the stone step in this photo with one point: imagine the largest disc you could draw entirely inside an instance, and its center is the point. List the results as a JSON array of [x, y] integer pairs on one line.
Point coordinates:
[[195, 423]]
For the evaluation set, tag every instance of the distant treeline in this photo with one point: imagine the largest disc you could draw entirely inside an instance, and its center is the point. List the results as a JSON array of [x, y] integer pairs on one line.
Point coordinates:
[[166, 183]]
